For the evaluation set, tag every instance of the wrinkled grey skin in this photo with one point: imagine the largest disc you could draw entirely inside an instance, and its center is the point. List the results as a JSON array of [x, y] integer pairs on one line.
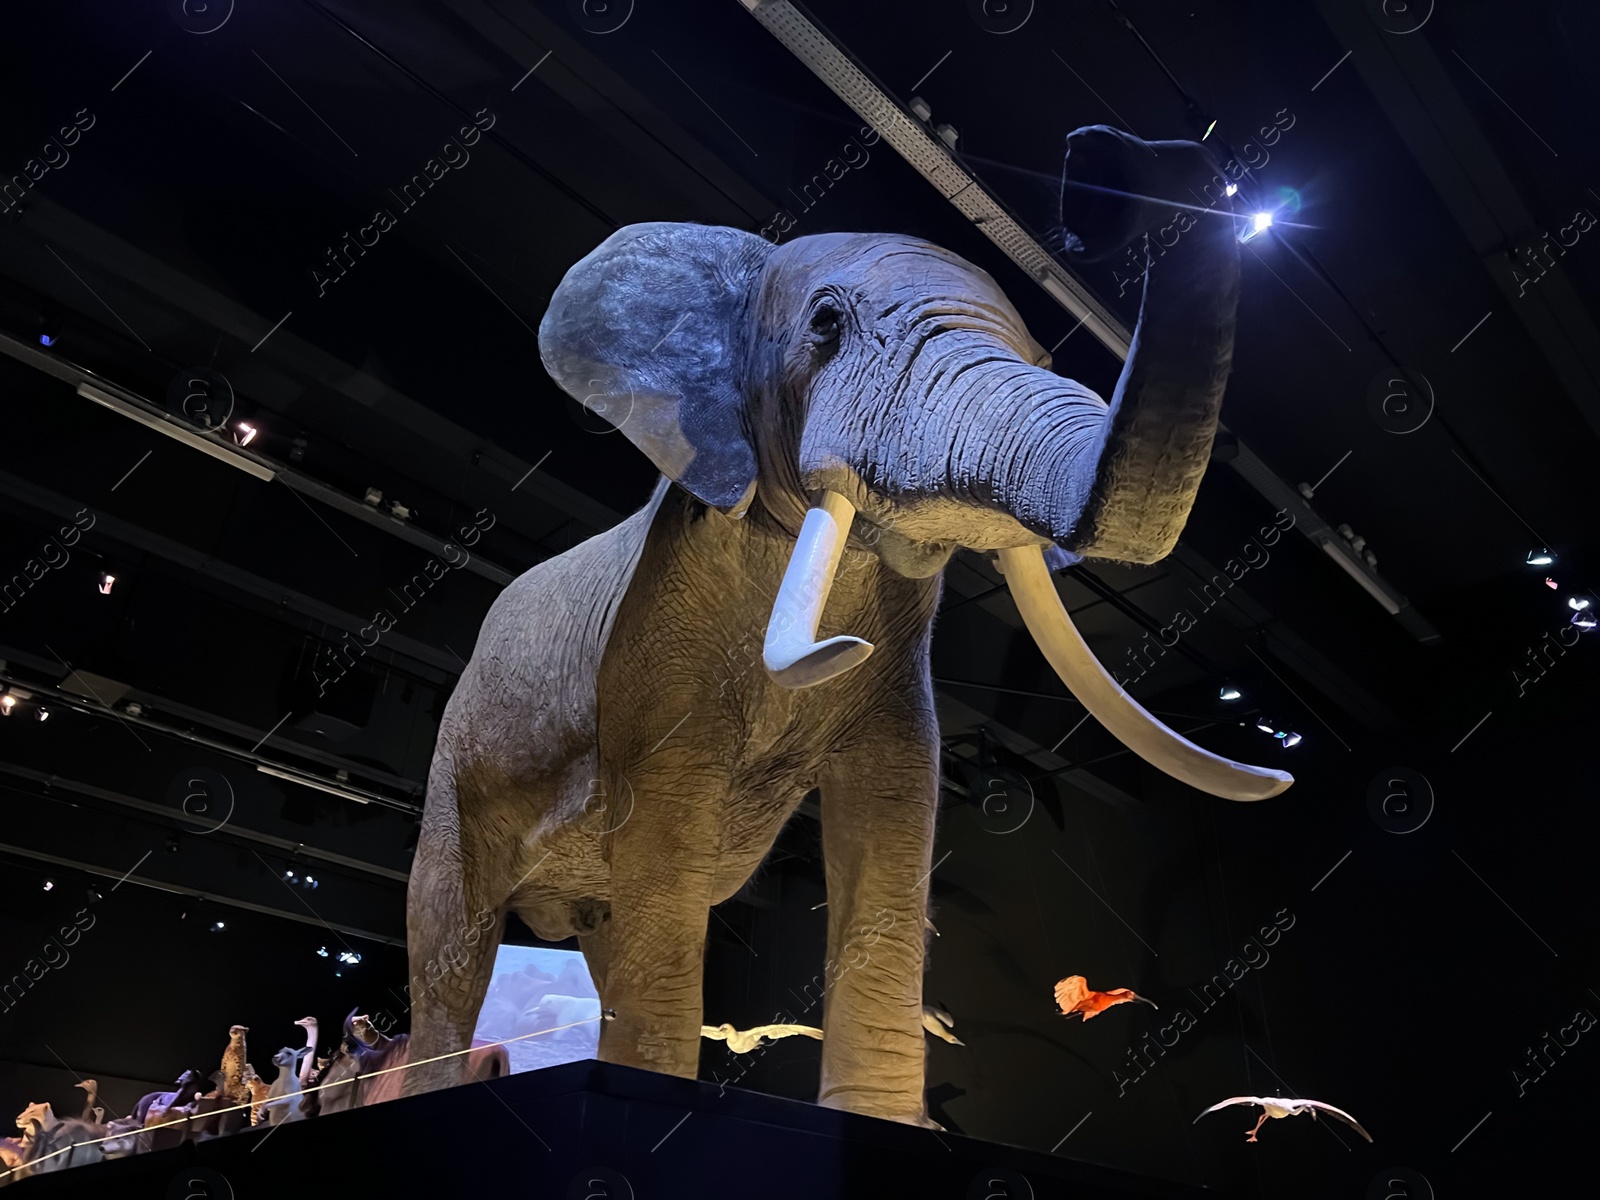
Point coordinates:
[[615, 760]]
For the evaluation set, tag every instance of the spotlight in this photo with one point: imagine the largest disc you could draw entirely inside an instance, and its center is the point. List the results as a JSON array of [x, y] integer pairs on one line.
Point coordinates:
[[1550, 583], [1207, 134], [349, 957], [244, 433], [106, 581], [1266, 726], [1259, 224], [1231, 190], [218, 926], [7, 703], [49, 884], [94, 896], [289, 875], [42, 715], [322, 952], [1540, 558], [1290, 739], [310, 882], [1577, 603], [1585, 621], [1228, 693]]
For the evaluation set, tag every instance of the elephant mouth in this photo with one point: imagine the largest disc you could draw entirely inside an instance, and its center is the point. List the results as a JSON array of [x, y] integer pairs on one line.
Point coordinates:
[[795, 659]]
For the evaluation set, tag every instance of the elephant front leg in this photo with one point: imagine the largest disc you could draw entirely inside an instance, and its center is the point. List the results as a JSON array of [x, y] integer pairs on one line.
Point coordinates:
[[878, 809], [652, 947]]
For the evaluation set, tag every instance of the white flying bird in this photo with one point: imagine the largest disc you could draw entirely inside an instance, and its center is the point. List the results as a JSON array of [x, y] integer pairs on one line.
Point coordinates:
[[1279, 1106], [939, 1023], [742, 1042]]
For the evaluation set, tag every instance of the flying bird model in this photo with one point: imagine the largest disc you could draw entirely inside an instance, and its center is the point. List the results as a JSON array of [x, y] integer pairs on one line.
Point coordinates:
[[1279, 1106], [1074, 995], [939, 1023], [742, 1042]]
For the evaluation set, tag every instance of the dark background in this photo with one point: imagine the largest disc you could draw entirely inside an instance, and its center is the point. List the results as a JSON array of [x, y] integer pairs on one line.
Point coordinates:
[[1423, 962]]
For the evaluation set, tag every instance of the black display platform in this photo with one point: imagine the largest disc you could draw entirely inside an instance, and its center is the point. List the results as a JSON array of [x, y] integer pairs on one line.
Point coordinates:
[[593, 1131]]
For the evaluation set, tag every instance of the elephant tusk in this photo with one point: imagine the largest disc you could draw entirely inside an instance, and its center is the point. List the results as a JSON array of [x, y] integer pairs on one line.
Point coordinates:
[[1029, 582], [793, 656]]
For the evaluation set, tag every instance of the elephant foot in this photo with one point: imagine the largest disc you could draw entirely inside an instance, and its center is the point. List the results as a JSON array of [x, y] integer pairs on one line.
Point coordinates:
[[432, 1077], [885, 1105]]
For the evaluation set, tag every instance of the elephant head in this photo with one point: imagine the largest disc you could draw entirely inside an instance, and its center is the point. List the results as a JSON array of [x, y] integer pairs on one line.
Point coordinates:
[[876, 384]]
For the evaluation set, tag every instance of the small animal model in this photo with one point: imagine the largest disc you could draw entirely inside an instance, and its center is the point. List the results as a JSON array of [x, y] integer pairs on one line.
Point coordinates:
[[1279, 1106], [1074, 995], [939, 1023], [744, 1041]]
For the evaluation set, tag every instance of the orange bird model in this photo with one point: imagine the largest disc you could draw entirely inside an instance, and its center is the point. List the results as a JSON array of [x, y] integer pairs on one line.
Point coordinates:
[[1074, 995]]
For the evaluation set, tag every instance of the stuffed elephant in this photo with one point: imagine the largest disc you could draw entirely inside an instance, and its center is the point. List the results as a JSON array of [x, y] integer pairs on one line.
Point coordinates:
[[834, 417]]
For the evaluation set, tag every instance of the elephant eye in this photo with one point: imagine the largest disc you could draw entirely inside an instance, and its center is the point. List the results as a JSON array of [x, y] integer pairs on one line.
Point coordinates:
[[825, 322]]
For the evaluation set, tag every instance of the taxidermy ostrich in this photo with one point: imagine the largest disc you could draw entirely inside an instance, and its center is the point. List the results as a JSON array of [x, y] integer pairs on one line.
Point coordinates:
[[1278, 1107], [91, 1093]]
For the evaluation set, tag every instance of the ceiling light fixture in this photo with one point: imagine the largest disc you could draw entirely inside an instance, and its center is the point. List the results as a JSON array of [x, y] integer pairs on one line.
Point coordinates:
[[1259, 224], [1540, 558], [1290, 739], [1231, 190], [245, 433], [1577, 603], [1267, 726], [106, 581], [1585, 621], [7, 703], [1228, 693]]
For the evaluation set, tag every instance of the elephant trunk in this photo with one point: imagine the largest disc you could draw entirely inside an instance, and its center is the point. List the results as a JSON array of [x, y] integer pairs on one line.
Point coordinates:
[[1156, 440]]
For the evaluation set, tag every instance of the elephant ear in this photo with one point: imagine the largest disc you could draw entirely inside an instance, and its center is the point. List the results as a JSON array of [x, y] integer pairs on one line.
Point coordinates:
[[648, 331]]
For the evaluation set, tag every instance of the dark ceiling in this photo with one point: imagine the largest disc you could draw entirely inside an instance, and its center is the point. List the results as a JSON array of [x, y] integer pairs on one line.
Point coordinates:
[[1427, 162]]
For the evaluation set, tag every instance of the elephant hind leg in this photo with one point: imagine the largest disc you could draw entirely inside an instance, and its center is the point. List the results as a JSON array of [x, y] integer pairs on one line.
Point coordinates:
[[453, 926]]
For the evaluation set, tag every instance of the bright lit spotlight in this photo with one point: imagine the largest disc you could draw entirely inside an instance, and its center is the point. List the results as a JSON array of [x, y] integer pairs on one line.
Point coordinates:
[[1540, 558], [245, 432], [218, 926], [1228, 693], [289, 875], [1259, 224], [106, 581], [1290, 739], [1585, 621], [1577, 603], [1231, 190], [1266, 727], [43, 714], [7, 703], [48, 884], [1550, 583], [349, 957], [322, 952], [1207, 134]]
